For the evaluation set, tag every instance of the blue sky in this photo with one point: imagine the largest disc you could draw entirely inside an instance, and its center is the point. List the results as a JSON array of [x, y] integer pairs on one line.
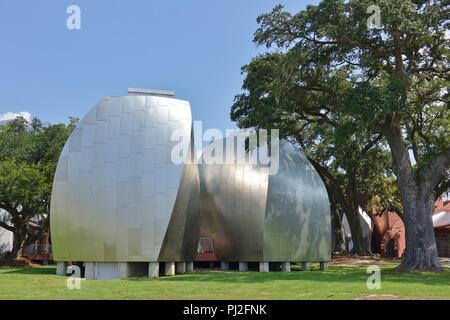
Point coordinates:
[[194, 47]]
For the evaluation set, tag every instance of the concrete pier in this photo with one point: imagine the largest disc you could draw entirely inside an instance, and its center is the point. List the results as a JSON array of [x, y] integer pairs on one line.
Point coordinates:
[[243, 266], [323, 265], [224, 266], [123, 271], [61, 268], [189, 267], [286, 266], [153, 269], [114, 270], [263, 267], [169, 269], [180, 267], [306, 266], [89, 270]]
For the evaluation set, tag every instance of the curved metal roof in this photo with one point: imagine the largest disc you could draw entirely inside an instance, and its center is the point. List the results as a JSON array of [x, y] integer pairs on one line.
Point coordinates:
[[117, 196], [254, 216]]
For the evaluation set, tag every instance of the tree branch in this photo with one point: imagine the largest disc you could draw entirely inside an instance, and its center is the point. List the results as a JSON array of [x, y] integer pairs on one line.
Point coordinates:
[[441, 188], [7, 207], [371, 143], [7, 226], [38, 235], [431, 175], [401, 163]]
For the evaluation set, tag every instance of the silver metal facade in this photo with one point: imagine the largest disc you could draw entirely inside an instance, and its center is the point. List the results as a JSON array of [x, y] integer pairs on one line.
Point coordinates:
[[253, 216], [117, 196]]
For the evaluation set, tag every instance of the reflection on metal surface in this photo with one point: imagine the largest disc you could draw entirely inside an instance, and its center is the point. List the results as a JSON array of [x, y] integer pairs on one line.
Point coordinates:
[[117, 196], [254, 216], [180, 242]]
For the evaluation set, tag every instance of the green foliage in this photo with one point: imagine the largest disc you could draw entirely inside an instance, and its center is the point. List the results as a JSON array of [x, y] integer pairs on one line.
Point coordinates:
[[398, 71], [28, 158], [26, 185], [308, 112], [348, 93], [336, 85], [29, 153]]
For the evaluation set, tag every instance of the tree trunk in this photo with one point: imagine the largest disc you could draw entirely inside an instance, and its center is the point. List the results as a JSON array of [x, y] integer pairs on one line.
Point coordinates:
[[339, 234], [421, 251], [359, 244], [18, 245], [338, 197], [417, 194]]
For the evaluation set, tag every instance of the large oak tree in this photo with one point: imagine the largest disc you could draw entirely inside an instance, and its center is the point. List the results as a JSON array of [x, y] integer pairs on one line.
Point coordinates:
[[28, 156], [348, 163], [390, 81]]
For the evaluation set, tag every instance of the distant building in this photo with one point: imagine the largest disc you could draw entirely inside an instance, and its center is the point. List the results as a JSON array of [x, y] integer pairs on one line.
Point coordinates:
[[366, 228], [441, 222], [389, 232], [40, 250], [388, 237]]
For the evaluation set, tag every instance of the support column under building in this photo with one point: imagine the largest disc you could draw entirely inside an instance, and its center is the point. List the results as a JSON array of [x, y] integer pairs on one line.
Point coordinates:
[[153, 269], [189, 267], [224, 266], [263, 267], [123, 271], [323, 265], [306, 266], [61, 268], [286, 266], [243, 266], [89, 270], [181, 267], [169, 268], [94, 270]]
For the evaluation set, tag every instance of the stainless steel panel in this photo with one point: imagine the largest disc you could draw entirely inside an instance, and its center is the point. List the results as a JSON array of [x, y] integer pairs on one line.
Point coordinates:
[[297, 222], [252, 216], [117, 196], [181, 238]]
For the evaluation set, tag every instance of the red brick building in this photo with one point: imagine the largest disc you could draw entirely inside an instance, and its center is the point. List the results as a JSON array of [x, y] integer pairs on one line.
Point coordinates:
[[388, 234], [441, 221]]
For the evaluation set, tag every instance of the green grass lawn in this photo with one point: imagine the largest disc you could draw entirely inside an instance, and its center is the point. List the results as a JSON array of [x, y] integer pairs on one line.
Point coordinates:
[[335, 283]]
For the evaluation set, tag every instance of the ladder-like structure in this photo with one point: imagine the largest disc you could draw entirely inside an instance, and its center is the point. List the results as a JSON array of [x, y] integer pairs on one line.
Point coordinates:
[[205, 250]]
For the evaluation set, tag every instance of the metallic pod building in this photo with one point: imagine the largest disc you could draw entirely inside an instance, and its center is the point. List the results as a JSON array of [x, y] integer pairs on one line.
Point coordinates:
[[251, 216], [119, 204], [128, 201]]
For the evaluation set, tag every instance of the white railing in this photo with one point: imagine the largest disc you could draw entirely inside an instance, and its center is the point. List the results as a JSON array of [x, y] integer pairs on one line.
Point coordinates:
[[38, 249]]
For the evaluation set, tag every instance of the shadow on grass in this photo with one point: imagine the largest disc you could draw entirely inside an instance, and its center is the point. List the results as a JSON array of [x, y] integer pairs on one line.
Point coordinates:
[[30, 270], [333, 275]]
